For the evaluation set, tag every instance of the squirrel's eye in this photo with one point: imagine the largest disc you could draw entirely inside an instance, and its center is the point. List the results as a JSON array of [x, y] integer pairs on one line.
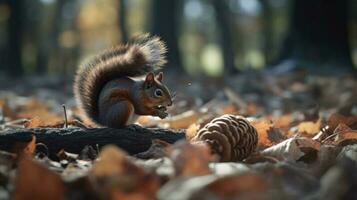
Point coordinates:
[[158, 92]]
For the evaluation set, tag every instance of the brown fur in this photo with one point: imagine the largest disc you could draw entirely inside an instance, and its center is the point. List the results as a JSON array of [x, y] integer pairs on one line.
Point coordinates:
[[142, 55], [115, 109]]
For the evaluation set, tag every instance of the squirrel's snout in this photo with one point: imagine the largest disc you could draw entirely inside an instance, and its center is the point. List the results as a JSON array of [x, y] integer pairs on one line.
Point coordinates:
[[169, 102]]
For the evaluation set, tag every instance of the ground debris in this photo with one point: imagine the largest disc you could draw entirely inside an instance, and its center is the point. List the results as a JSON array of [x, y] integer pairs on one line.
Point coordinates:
[[307, 144]]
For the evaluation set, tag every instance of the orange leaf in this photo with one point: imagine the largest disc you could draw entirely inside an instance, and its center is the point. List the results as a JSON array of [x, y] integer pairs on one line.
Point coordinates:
[[335, 119], [34, 181], [229, 109], [33, 123], [252, 108], [191, 159], [344, 133], [27, 148], [263, 127], [192, 131], [309, 127], [6, 110], [183, 120], [245, 186], [350, 135], [118, 177], [283, 121], [34, 108]]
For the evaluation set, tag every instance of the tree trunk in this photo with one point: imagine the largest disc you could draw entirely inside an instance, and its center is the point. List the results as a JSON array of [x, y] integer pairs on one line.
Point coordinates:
[[42, 40], [318, 33], [68, 56], [55, 31], [224, 23], [122, 21], [14, 42], [268, 31], [165, 25]]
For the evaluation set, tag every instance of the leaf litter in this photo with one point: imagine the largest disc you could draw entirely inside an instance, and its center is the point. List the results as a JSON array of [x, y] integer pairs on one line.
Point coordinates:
[[305, 150]]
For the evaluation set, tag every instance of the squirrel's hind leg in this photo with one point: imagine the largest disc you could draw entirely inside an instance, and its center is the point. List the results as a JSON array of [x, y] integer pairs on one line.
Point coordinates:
[[117, 115]]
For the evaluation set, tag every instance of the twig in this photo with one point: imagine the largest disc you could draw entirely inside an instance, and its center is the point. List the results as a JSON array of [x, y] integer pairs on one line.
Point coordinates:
[[329, 137], [17, 122], [65, 116]]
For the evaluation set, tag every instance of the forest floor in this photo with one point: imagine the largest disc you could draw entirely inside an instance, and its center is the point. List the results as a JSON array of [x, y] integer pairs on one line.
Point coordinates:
[[307, 142]]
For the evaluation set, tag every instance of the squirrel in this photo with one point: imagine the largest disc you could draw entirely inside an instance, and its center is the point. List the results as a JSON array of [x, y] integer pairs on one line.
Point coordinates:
[[107, 89]]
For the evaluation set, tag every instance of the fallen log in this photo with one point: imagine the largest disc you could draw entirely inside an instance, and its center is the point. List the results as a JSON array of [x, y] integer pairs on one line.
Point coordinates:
[[133, 139]]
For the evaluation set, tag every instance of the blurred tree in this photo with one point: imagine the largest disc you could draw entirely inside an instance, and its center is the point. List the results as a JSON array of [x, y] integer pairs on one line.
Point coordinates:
[[223, 17], [55, 31], [122, 20], [12, 56], [64, 36], [49, 27], [318, 33], [165, 24], [42, 38], [268, 30]]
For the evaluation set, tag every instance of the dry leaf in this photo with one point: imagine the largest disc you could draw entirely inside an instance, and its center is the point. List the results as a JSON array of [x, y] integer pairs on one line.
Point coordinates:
[[342, 128], [258, 158], [262, 127], [70, 157], [344, 133], [34, 108], [119, 178], [275, 135], [229, 109], [27, 148], [348, 135], [184, 187], [183, 120], [339, 182], [111, 162], [309, 127], [158, 149], [335, 119], [228, 168], [33, 123], [252, 108], [192, 130], [191, 159], [150, 121], [312, 114], [283, 121], [245, 186], [34, 181], [235, 98], [6, 111], [293, 149]]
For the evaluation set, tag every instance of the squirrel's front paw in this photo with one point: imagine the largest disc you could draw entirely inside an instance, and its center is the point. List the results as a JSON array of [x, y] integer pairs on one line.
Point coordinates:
[[161, 112]]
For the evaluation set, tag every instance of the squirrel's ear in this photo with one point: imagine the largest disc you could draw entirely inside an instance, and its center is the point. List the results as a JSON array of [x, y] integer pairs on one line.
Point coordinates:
[[160, 76], [149, 79]]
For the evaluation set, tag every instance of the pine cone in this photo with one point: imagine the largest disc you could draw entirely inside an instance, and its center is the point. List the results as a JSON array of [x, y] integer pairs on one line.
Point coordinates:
[[232, 137]]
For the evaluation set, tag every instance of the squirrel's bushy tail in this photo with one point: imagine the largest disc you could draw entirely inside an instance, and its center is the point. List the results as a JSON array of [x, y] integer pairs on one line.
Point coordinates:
[[140, 56]]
